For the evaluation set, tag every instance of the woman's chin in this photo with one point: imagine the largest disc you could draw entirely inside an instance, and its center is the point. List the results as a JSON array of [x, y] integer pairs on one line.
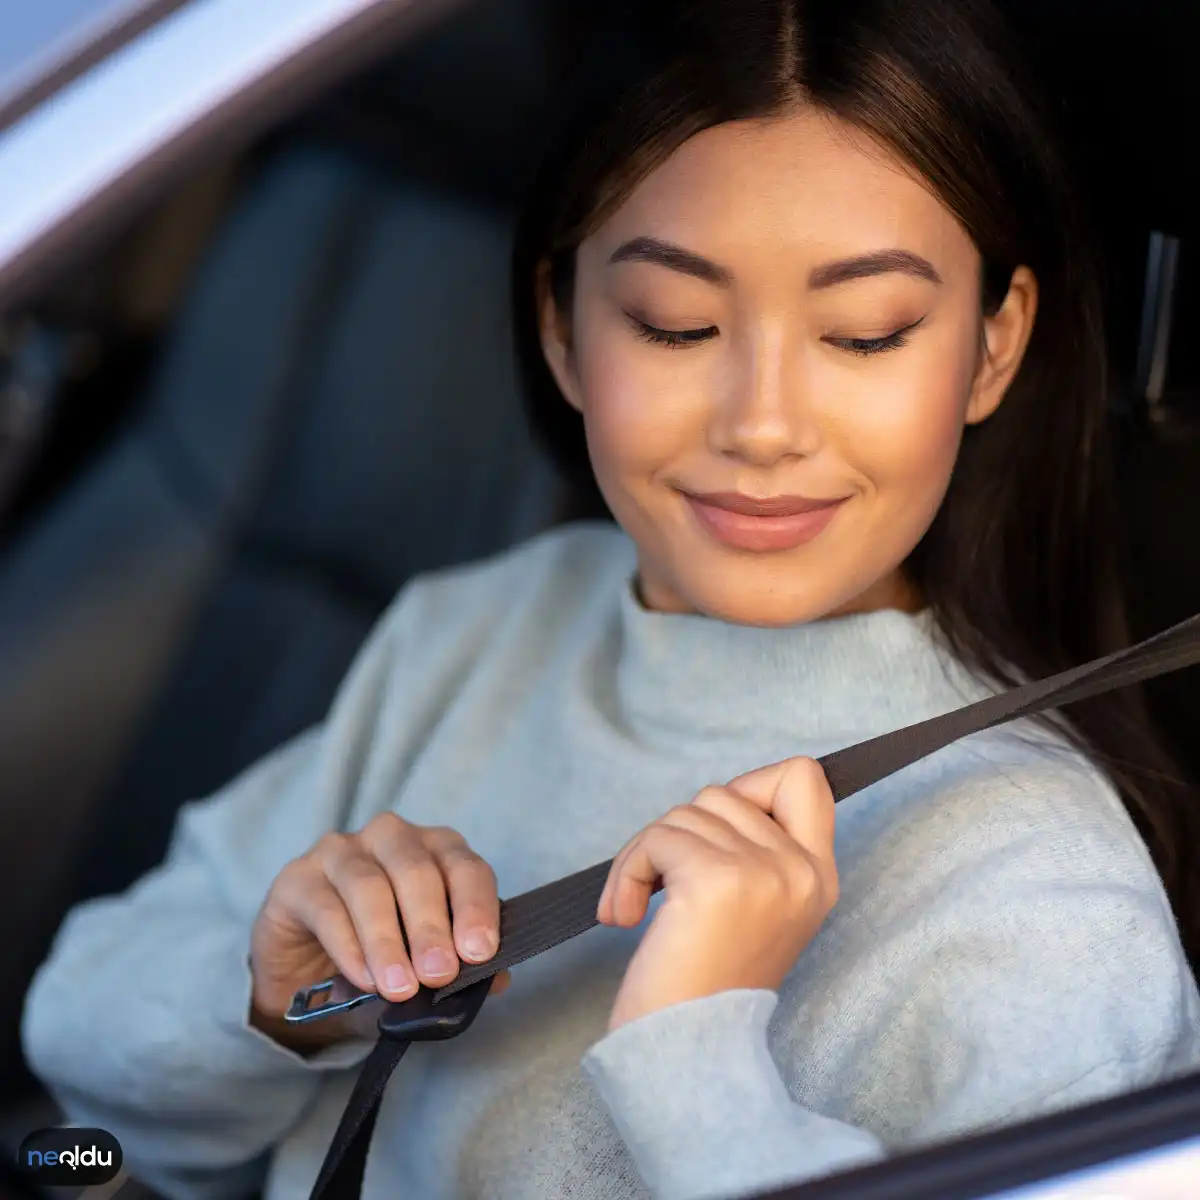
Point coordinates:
[[743, 605]]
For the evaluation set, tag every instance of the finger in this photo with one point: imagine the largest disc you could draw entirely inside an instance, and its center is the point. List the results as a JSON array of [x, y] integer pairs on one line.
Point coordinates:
[[653, 854], [500, 982], [796, 793], [420, 892], [474, 896], [319, 909], [742, 817], [704, 825], [604, 909], [367, 894]]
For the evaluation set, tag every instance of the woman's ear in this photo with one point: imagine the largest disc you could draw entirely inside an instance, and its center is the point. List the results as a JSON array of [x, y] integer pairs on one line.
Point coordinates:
[[557, 347], [1005, 337]]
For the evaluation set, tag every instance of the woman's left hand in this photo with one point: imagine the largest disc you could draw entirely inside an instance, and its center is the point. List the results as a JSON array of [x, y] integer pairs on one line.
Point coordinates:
[[750, 877]]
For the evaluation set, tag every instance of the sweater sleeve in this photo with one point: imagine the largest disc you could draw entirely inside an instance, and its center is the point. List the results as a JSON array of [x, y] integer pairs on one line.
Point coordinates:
[[702, 1107], [138, 1022], [1019, 979]]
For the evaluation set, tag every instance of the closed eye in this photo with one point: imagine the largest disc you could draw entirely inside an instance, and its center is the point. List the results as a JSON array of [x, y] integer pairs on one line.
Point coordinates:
[[675, 338], [864, 347]]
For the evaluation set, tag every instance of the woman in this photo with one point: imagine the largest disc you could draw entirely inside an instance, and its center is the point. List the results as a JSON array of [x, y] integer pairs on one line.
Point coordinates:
[[815, 295]]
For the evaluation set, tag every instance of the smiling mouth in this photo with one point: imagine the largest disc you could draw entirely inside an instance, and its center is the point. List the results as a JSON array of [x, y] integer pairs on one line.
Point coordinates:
[[772, 523], [770, 506]]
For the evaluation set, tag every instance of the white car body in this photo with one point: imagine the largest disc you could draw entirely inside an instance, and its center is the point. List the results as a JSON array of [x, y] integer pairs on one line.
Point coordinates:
[[102, 102]]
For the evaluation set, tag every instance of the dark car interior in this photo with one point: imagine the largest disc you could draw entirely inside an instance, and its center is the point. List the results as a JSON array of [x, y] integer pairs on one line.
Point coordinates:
[[230, 438]]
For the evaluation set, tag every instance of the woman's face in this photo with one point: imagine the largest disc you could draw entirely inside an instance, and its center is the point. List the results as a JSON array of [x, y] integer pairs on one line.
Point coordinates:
[[776, 343]]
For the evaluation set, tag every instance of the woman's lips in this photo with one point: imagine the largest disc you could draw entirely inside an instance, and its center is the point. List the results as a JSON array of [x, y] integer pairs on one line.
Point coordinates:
[[767, 525]]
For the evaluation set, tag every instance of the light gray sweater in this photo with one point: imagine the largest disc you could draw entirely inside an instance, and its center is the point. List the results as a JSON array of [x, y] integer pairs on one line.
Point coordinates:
[[1002, 946]]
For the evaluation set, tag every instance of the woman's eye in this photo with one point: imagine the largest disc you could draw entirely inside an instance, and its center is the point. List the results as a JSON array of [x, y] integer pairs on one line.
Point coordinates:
[[863, 347], [672, 337], [879, 345]]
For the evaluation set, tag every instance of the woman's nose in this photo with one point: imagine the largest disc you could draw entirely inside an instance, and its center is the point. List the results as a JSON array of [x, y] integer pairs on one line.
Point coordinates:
[[765, 413]]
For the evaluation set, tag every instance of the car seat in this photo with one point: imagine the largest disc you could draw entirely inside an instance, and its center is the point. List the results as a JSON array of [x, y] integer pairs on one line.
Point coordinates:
[[337, 411]]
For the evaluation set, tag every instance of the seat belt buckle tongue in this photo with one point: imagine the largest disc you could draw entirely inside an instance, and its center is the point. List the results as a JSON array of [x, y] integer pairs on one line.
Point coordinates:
[[420, 1019], [324, 999]]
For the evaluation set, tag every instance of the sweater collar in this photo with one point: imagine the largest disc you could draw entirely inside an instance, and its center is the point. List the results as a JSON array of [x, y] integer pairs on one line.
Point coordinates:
[[829, 683]]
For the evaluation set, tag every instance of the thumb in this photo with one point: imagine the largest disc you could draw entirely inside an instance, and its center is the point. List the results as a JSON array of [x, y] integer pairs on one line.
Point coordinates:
[[796, 793]]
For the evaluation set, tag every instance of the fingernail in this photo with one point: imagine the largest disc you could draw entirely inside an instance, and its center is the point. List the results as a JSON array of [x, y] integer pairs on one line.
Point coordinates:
[[397, 979], [436, 962], [479, 944]]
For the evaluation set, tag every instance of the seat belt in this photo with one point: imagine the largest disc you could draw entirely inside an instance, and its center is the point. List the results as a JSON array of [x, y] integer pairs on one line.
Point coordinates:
[[543, 918]]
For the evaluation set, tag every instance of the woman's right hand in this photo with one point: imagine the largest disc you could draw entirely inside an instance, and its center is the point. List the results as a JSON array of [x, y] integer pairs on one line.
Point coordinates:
[[339, 908]]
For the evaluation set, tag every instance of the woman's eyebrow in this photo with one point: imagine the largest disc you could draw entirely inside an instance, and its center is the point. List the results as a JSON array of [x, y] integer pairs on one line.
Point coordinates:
[[667, 254], [879, 262], [843, 270]]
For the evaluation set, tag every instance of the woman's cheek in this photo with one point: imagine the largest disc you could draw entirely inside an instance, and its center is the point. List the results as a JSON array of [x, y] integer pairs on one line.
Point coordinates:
[[638, 418], [906, 433]]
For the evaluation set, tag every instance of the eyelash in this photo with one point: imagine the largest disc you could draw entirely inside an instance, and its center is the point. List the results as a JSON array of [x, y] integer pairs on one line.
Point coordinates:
[[866, 347], [674, 339], [862, 347]]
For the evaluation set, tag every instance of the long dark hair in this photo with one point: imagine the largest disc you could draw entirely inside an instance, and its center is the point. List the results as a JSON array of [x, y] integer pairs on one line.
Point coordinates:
[[1020, 566]]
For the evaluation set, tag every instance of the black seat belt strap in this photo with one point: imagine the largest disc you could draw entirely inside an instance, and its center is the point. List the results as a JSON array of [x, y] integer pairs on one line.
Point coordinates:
[[538, 920], [346, 1160]]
